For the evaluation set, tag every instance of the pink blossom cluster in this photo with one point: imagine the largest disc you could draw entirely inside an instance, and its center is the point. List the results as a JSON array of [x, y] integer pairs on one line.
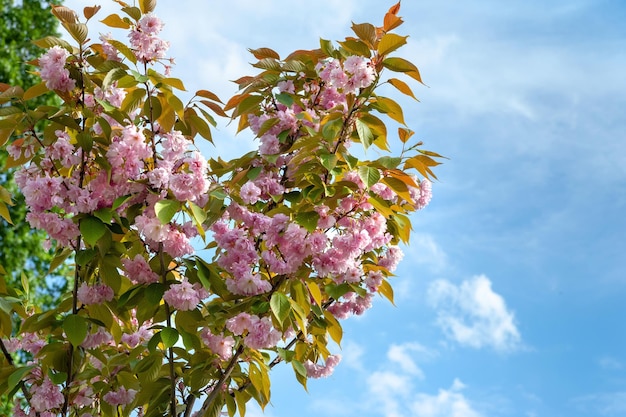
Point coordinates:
[[184, 174], [356, 73], [46, 396], [146, 45], [28, 342], [94, 294], [219, 344], [351, 303], [314, 370], [53, 70], [138, 270], [185, 296], [109, 50], [258, 333], [139, 336], [121, 396]]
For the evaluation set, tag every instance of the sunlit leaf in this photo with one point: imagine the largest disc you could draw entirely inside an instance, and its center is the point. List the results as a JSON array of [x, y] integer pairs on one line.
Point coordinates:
[[166, 209], [402, 65], [390, 42], [92, 229], [169, 337], [369, 175], [364, 132], [402, 87], [75, 328], [279, 303]]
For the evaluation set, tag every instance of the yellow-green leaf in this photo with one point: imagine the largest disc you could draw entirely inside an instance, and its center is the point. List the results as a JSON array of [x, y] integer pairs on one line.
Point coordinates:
[[390, 42], [169, 337], [386, 290], [402, 87], [364, 133], [402, 65], [280, 306], [4, 213], [75, 328], [166, 209], [147, 5], [390, 108], [92, 229], [35, 91]]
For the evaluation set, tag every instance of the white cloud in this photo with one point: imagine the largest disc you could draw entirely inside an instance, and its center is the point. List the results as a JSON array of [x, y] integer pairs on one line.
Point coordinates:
[[473, 314], [446, 403], [605, 404], [424, 250], [404, 355], [610, 363], [392, 391]]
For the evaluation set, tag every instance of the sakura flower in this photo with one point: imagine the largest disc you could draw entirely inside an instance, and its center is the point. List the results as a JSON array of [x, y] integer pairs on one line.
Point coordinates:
[[314, 370], [96, 294], [46, 396], [182, 296], [120, 397]]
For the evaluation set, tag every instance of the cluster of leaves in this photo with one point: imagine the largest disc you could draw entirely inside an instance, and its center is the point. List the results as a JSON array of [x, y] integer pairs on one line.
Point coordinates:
[[285, 306], [22, 249]]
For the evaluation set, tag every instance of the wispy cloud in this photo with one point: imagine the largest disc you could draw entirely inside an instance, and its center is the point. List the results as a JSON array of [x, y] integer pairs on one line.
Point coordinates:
[[472, 314], [404, 355], [610, 363], [605, 404]]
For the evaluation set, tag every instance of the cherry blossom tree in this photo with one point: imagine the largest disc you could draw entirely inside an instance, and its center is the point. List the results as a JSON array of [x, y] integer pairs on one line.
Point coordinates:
[[303, 232]]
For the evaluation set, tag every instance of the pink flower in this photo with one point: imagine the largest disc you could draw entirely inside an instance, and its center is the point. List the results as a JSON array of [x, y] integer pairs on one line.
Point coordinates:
[[53, 70], [250, 193], [176, 243], [96, 294], [139, 271], [425, 195], [314, 370], [120, 397], [46, 396], [239, 324], [182, 296], [219, 344]]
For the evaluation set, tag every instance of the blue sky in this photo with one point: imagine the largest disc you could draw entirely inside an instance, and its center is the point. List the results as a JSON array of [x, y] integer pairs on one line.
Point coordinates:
[[510, 300]]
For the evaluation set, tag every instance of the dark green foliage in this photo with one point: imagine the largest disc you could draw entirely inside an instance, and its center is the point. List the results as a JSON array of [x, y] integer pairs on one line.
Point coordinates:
[[21, 249]]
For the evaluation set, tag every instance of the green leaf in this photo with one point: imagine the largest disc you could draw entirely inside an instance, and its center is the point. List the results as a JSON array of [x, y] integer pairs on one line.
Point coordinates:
[[390, 42], [169, 337], [166, 209], [331, 129], [369, 175], [17, 376], [308, 220], [402, 65], [279, 303], [390, 108], [299, 367], [356, 47], [285, 98], [329, 161], [248, 105], [92, 230], [75, 328], [365, 134]]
